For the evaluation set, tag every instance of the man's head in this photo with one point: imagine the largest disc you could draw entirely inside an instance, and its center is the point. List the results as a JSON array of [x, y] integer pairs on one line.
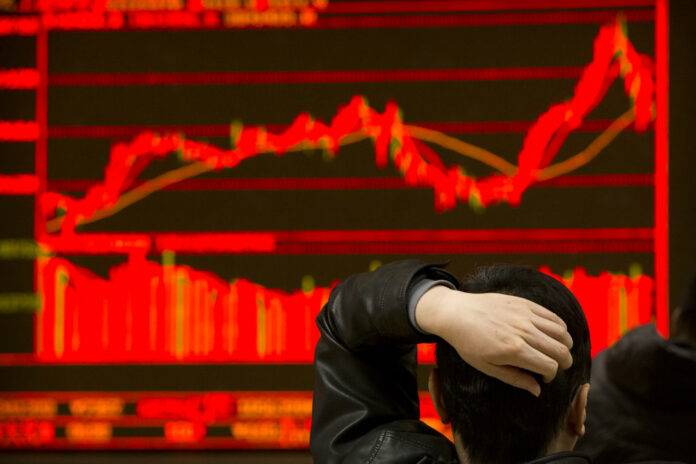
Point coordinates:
[[496, 423], [684, 316]]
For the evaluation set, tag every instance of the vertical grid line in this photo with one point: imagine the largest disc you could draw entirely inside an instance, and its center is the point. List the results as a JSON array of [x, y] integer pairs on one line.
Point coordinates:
[[40, 162], [662, 167]]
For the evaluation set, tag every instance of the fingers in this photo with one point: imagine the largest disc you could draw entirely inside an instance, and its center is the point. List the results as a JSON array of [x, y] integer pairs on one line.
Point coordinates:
[[523, 355], [550, 347], [553, 330], [546, 314], [514, 377]]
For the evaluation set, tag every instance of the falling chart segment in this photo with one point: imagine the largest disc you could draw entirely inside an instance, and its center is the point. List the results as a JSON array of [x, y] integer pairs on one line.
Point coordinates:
[[131, 270]]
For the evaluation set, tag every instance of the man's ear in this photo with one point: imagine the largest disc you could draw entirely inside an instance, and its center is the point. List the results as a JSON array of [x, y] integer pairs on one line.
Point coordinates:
[[435, 389], [575, 420]]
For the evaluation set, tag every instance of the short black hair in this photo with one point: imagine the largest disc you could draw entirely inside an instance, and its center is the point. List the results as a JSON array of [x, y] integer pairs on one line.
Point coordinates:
[[498, 423], [687, 319]]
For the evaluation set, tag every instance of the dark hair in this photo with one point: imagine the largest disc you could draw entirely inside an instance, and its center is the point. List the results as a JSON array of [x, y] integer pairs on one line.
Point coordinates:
[[687, 319], [499, 423]]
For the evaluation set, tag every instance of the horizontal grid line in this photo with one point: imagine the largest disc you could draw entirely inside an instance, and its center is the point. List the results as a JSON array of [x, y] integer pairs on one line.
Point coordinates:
[[492, 19], [223, 130], [172, 20], [438, 241], [348, 183], [314, 77], [432, 6]]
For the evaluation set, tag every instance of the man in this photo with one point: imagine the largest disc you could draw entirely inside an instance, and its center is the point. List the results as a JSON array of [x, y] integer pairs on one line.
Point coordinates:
[[365, 399], [643, 402]]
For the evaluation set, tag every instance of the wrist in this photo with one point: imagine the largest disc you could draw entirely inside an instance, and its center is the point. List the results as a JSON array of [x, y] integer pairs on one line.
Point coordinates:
[[431, 310]]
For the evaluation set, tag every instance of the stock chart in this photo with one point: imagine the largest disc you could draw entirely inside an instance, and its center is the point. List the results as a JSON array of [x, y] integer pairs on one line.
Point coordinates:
[[182, 183]]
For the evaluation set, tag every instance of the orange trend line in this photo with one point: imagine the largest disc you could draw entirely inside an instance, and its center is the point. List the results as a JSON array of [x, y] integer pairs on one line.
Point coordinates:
[[463, 148], [171, 177], [176, 175], [589, 153]]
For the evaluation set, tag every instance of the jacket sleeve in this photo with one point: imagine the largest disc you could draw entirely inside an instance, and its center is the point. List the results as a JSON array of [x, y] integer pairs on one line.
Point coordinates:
[[365, 361]]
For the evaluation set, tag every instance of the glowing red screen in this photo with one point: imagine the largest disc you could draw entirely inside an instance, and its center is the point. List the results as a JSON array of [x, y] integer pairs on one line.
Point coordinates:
[[184, 182]]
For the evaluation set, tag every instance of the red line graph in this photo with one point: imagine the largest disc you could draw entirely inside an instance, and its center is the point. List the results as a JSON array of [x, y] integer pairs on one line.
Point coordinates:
[[613, 56], [315, 77]]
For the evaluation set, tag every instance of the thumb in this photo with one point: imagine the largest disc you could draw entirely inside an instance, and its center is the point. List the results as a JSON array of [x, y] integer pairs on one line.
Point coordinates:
[[515, 377]]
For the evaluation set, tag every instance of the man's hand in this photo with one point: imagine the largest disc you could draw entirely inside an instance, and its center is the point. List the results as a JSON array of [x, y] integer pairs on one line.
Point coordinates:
[[498, 334]]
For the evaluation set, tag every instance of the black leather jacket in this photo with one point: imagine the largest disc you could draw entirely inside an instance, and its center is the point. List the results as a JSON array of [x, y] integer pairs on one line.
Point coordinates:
[[365, 397]]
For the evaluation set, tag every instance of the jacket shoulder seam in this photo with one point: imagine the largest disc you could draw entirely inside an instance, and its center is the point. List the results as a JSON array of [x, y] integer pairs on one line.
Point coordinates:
[[376, 447]]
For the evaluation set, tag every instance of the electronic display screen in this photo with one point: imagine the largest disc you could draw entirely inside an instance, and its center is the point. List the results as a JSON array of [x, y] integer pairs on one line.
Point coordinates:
[[183, 182]]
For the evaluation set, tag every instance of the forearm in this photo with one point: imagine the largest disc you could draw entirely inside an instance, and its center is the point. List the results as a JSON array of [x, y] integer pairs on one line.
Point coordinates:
[[371, 309], [365, 360]]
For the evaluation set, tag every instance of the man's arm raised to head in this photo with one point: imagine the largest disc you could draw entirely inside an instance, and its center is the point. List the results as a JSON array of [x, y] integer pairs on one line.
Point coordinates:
[[365, 361], [503, 336]]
